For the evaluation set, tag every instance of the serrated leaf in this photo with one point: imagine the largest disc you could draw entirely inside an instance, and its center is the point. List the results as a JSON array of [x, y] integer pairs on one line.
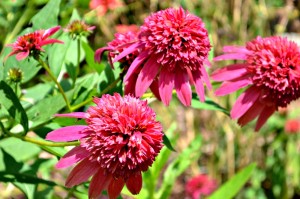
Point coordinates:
[[47, 17], [234, 184], [11, 103]]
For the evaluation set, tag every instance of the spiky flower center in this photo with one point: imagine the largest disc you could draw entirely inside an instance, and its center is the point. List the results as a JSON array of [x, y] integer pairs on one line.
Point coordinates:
[[274, 63]]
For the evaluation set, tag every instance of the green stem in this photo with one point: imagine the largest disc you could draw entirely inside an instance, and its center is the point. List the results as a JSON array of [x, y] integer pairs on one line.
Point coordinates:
[[46, 67], [108, 88], [78, 61]]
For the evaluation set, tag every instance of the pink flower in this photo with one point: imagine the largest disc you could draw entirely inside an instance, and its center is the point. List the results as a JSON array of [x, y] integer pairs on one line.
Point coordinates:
[[101, 6], [79, 28], [173, 46], [31, 43], [271, 71], [200, 185], [292, 126], [121, 139]]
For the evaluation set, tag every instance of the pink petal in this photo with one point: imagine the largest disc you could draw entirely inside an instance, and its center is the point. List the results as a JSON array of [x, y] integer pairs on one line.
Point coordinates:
[[146, 76], [205, 77], [50, 41], [99, 52], [100, 181], [235, 49], [154, 88], [231, 86], [230, 56], [67, 133], [50, 31], [244, 102], [135, 46], [135, 64], [264, 116], [183, 88], [166, 85], [75, 155], [82, 172], [229, 72], [115, 187], [198, 84], [134, 183], [130, 85], [252, 113], [22, 55], [72, 115]]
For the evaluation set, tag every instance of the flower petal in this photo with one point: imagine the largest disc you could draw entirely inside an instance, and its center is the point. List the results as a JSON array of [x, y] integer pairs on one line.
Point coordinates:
[[72, 115], [231, 86], [205, 77], [251, 114], [230, 56], [115, 187], [135, 64], [146, 76], [82, 172], [229, 72], [99, 52], [235, 49], [199, 85], [75, 155], [135, 46], [166, 85], [244, 102], [264, 116], [154, 88], [22, 55], [50, 31], [67, 133], [135, 183], [183, 87], [50, 41], [100, 181], [129, 87]]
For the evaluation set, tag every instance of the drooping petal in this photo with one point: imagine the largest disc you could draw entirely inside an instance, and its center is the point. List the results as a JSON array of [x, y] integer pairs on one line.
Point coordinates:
[[231, 86], [231, 56], [154, 88], [100, 181], [50, 31], [264, 116], [68, 133], [115, 187], [252, 113], [166, 85], [244, 102], [198, 84], [135, 46], [135, 183], [99, 52], [205, 77], [183, 88], [146, 76], [80, 115], [230, 72], [82, 172], [135, 64], [129, 87], [75, 155], [235, 49], [22, 55]]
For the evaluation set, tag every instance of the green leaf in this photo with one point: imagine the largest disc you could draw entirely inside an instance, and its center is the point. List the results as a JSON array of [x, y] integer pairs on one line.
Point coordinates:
[[234, 184], [47, 17], [208, 105], [167, 143], [10, 101], [90, 58], [22, 177]]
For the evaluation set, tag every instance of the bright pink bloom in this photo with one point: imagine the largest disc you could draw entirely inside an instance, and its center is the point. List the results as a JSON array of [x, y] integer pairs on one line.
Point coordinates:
[[200, 185], [121, 139], [31, 43], [292, 126], [102, 6], [272, 72], [173, 46]]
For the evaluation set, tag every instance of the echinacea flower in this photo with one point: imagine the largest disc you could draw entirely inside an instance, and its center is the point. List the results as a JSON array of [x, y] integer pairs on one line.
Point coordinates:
[[78, 28], [174, 47], [292, 126], [31, 44], [102, 6], [201, 185], [121, 139], [271, 71]]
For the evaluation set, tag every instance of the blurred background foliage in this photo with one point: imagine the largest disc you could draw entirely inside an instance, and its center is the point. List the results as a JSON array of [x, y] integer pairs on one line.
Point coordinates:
[[225, 147]]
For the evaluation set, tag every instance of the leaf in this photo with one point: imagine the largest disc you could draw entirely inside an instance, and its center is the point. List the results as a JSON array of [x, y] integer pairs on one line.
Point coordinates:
[[234, 184], [167, 143], [47, 17], [22, 177], [208, 105], [11, 103], [90, 58]]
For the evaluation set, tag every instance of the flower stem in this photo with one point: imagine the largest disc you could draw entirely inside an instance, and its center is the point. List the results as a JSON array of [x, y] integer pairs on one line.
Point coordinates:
[[108, 88], [46, 67], [78, 62]]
